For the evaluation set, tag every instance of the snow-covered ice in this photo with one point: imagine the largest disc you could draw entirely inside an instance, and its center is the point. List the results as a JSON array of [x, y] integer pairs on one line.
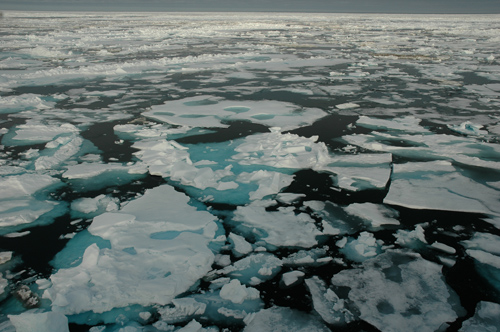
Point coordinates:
[[249, 171]]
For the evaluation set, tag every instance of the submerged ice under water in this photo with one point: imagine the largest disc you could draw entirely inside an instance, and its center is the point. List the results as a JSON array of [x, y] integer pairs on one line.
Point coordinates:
[[249, 172]]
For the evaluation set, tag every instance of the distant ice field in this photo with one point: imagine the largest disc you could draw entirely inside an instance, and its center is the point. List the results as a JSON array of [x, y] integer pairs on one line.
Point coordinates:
[[249, 172]]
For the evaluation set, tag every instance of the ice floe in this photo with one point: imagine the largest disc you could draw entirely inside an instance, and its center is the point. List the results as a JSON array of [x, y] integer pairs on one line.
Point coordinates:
[[167, 248], [394, 290], [486, 318], [214, 112]]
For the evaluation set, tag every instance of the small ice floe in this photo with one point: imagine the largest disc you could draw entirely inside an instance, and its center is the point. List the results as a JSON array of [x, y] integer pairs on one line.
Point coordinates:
[[469, 128], [280, 228], [40, 321], [327, 304], [157, 241], [282, 319], [366, 246], [291, 278], [486, 318], [375, 216], [346, 106], [394, 290], [438, 186]]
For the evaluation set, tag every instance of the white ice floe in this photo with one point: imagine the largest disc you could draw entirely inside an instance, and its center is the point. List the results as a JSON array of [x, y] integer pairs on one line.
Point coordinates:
[[364, 247], [25, 185], [14, 104], [374, 215], [485, 242], [30, 321], [158, 242], [327, 304], [253, 269], [486, 318], [407, 124], [92, 170], [214, 112], [282, 319], [414, 239], [438, 186], [282, 151], [269, 182], [181, 310], [58, 151], [240, 246], [280, 228], [346, 106], [34, 132], [235, 292], [292, 277], [469, 128], [90, 207], [395, 290]]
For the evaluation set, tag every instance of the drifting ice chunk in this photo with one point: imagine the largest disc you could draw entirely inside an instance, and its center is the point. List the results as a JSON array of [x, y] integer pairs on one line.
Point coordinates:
[[427, 185], [486, 319], [488, 265], [235, 292], [406, 124], [281, 319], [21, 213], [269, 182], [346, 106], [254, 268], [25, 185], [91, 207], [485, 242], [411, 239], [90, 170], [33, 133], [14, 104], [291, 277], [362, 248], [211, 112], [40, 322], [327, 304], [61, 149], [278, 228], [181, 310], [241, 246], [282, 151], [469, 128], [375, 215], [158, 242], [395, 290]]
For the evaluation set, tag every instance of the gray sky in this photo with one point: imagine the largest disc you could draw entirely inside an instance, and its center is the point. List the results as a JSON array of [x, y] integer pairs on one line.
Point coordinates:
[[340, 6]]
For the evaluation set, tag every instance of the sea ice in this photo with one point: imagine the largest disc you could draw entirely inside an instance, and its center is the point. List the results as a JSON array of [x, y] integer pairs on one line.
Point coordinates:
[[33, 133], [438, 186], [282, 319], [375, 216], [292, 277], [240, 246], [327, 304], [395, 290], [40, 321], [366, 246], [280, 228], [235, 292], [486, 319], [280, 150], [213, 112], [91, 207], [158, 242], [252, 269]]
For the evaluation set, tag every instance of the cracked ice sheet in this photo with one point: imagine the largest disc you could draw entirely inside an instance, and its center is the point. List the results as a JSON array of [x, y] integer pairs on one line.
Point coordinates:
[[211, 112], [438, 186], [159, 249], [395, 290], [281, 228]]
